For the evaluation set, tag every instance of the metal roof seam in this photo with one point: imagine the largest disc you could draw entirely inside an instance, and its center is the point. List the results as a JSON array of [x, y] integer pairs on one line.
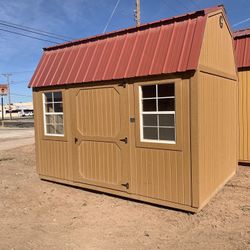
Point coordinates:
[[109, 59], [131, 54], [179, 67], [65, 66], [83, 59], [52, 80], [170, 45], [195, 52], [100, 58], [90, 61], [40, 73], [120, 56], [156, 49], [73, 64], [50, 68], [143, 52]]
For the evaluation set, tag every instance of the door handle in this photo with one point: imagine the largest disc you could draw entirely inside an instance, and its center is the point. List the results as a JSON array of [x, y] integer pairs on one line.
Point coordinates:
[[76, 140], [125, 140]]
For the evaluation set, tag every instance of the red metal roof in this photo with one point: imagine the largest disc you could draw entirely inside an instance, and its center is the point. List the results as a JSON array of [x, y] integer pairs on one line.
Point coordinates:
[[166, 46], [242, 48]]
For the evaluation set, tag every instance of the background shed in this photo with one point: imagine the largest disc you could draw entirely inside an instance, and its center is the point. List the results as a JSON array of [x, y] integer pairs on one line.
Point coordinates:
[[147, 113], [242, 48]]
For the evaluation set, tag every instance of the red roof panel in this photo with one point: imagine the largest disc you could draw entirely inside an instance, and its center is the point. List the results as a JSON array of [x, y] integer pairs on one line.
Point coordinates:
[[242, 48], [166, 46]]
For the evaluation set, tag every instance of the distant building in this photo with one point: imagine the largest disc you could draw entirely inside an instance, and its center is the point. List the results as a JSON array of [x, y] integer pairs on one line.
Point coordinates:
[[18, 109]]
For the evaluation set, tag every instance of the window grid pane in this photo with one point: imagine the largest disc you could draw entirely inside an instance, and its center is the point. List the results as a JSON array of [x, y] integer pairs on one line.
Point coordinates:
[[158, 112], [53, 113]]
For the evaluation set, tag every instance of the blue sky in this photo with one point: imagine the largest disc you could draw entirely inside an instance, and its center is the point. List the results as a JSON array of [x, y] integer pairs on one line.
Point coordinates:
[[82, 18]]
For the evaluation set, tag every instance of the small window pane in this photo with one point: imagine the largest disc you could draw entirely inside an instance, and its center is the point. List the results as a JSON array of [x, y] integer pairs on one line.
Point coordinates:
[[150, 133], [166, 104], [57, 96], [51, 129], [50, 119], [167, 134], [58, 107], [59, 129], [49, 107], [149, 91], [149, 105], [48, 97], [59, 119], [166, 90], [149, 120], [166, 120]]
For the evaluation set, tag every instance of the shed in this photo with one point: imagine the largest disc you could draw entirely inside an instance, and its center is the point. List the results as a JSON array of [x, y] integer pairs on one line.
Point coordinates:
[[148, 113], [242, 48]]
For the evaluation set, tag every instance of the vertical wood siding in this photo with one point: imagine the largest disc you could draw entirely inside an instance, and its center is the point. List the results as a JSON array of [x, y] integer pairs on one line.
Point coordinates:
[[53, 156], [217, 49], [100, 162], [99, 112], [244, 116], [217, 123]]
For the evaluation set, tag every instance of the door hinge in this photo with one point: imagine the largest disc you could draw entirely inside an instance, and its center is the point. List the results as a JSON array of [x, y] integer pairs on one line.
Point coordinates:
[[124, 140], [126, 185]]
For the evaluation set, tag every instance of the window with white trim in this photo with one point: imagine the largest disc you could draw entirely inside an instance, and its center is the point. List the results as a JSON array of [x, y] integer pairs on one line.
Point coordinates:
[[53, 113], [157, 110]]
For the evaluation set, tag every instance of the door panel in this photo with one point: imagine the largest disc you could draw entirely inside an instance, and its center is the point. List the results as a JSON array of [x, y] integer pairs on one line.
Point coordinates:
[[101, 122]]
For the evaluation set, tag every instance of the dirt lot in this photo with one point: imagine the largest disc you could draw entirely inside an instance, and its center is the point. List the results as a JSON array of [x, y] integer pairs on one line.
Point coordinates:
[[36, 214]]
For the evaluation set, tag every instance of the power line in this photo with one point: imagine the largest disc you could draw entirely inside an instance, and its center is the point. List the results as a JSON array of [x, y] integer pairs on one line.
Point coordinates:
[[196, 4], [33, 37], [37, 30], [34, 32], [110, 17], [20, 95], [21, 72], [171, 8], [243, 21]]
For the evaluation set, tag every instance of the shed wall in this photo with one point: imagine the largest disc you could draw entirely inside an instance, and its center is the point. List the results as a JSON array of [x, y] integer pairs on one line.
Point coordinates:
[[217, 133], [157, 172], [217, 49], [53, 155], [244, 116]]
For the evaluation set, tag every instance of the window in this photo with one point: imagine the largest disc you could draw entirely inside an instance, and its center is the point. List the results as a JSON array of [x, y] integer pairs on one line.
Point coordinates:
[[157, 110], [53, 113]]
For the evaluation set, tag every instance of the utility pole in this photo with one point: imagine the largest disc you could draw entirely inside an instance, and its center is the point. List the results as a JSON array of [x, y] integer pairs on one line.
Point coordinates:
[[7, 75], [138, 13]]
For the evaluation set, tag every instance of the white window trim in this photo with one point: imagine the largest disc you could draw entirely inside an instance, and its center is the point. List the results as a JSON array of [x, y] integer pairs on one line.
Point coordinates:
[[141, 113], [50, 113]]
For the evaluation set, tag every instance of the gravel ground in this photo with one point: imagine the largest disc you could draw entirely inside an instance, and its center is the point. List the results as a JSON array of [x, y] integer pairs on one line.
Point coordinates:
[[36, 214]]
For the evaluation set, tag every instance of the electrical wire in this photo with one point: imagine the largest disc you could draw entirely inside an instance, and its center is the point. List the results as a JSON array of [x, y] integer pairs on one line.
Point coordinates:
[[37, 30], [20, 95], [110, 17], [243, 21], [33, 32], [33, 37], [170, 7]]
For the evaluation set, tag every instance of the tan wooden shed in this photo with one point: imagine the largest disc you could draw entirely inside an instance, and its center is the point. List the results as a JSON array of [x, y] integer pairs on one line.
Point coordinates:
[[148, 113], [242, 49]]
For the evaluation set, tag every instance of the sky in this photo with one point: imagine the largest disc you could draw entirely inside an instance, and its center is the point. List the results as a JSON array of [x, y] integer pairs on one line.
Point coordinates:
[[79, 19]]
